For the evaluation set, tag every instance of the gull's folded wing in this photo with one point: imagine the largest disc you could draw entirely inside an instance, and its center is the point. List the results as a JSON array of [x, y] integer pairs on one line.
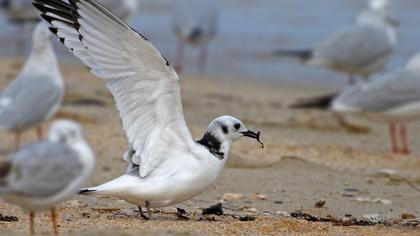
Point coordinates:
[[145, 87], [42, 170]]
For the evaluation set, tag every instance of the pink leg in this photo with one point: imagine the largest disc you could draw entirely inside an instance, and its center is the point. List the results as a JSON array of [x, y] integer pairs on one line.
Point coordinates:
[[179, 56], [404, 139], [39, 133], [203, 59], [393, 136]]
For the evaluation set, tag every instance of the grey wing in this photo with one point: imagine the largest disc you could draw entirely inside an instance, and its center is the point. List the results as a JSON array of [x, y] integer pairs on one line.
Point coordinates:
[[384, 93], [355, 46], [43, 169], [28, 102]]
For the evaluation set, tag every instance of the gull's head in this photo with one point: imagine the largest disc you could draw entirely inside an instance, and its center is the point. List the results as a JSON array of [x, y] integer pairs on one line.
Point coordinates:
[[228, 129], [66, 132], [382, 18]]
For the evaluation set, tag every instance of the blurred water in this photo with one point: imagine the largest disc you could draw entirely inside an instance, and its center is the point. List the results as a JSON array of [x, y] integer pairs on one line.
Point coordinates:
[[250, 29]]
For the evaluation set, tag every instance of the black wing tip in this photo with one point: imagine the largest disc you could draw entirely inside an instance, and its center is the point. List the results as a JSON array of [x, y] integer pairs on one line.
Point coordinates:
[[86, 191], [53, 30]]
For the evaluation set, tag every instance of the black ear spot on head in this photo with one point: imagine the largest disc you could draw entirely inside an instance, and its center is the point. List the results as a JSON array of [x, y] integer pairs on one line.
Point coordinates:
[[237, 126], [225, 129]]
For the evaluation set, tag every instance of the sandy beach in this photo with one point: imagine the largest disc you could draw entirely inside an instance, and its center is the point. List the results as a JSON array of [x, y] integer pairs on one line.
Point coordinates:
[[315, 174]]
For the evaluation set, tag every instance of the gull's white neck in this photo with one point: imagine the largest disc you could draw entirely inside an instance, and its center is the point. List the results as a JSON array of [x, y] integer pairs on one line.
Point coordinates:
[[43, 60]]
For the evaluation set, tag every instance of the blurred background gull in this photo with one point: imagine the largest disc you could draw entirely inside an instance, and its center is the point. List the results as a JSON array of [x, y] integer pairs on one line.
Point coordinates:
[[42, 175], [361, 49], [37, 92], [195, 24]]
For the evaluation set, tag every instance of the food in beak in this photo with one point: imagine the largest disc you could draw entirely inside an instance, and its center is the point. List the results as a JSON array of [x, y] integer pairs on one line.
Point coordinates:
[[252, 134]]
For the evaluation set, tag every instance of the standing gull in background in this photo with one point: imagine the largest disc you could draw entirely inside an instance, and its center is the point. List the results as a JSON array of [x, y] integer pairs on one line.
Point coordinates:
[[37, 92], [363, 49], [195, 23], [392, 98], [44, 174], [167, 165]]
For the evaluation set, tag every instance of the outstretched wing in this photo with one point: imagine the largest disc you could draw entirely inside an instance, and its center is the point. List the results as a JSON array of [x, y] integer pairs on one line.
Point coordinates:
[[145, 87]]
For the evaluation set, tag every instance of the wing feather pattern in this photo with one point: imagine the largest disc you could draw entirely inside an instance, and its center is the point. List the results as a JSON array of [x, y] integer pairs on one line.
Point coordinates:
[[145, 87]]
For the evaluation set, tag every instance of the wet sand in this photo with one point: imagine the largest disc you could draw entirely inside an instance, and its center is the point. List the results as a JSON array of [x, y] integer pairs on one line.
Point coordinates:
[[310, 156]]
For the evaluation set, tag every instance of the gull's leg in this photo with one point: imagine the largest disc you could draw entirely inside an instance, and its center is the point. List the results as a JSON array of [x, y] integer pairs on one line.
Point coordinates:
[[404, 139], [39, 132], [179, 57], [393, 137], [54, 221], [149, 211], [31, 223], [142, 214], [202, 60], [18, 136]]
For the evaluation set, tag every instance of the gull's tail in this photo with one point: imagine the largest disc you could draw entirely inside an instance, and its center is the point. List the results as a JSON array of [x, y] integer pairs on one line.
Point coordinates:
[[301, 54], [86, 191], [114, 187], [321, 102]]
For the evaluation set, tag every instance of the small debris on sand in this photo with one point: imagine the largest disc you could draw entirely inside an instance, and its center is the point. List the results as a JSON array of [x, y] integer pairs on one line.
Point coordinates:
[[247, 218], [214, 210], [320, 203], [182, 214], [407, 216], [8, 218]]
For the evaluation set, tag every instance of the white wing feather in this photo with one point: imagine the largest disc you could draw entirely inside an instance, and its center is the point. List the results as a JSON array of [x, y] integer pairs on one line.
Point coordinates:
[[145, 87]]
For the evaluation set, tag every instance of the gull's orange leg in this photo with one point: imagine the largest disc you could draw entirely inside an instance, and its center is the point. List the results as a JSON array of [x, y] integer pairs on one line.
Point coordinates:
[[54, 221], [31, 223]]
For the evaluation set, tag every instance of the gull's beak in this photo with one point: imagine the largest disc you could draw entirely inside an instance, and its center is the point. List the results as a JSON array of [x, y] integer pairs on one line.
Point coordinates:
[[252, 134]]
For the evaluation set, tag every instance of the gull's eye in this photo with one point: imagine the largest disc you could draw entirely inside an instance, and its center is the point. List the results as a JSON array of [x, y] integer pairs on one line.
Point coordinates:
[[225, 129], [237, 126]]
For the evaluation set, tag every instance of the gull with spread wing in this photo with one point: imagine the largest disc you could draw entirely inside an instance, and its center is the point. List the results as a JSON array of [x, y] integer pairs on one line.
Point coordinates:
[[167, 166]]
